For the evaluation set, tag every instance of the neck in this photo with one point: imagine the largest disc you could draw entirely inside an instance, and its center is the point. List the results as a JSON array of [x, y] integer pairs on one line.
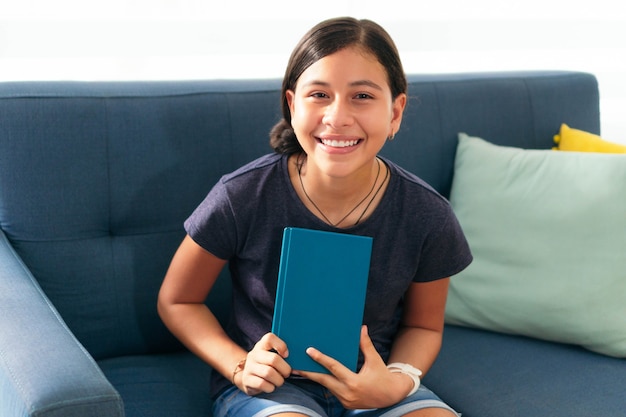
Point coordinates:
[[340, 202]]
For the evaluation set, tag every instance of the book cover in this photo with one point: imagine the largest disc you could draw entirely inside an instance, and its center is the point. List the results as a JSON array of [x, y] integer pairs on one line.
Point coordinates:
[[320, 298]]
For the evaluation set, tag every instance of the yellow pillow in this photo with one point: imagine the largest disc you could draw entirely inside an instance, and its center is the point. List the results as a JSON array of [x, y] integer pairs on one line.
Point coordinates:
[[576, 140]]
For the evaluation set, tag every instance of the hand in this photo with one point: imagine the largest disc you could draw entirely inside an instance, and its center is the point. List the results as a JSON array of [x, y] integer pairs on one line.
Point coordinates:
[[265, 367], [373, 387]]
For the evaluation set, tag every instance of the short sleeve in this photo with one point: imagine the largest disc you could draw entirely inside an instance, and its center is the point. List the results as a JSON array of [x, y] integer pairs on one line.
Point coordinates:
[[212, 224], [445, 251]]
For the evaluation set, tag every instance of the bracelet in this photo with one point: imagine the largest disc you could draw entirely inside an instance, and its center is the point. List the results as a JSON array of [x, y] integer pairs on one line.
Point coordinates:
[[406, 369], [238, 368]]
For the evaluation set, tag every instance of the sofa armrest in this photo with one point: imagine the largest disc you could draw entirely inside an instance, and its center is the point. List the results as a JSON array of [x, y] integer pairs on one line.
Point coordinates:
[[44, 370]]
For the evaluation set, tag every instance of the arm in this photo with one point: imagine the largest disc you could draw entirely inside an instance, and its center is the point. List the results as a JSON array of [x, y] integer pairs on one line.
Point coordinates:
[[44, 370], [189, 279], [417, 343], [419, 338]]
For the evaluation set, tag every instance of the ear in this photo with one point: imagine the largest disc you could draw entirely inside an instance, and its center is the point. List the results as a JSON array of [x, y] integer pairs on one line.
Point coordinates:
[[397, 110], [289, 96]]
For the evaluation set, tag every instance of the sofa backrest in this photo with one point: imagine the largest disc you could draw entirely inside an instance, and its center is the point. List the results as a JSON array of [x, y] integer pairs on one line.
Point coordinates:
[[97, 178]]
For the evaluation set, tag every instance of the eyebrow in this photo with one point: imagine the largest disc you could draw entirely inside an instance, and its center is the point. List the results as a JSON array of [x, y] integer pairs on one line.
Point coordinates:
[[359, 83]]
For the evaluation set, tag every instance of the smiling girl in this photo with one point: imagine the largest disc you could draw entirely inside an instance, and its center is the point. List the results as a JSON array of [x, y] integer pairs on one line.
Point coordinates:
[[343, 97]]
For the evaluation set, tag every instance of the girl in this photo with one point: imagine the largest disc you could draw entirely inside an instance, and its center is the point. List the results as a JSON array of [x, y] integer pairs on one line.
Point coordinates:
[[343, 97]]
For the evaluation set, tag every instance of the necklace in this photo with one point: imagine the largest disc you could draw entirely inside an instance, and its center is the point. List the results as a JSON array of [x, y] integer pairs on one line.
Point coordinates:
[[299, 167]]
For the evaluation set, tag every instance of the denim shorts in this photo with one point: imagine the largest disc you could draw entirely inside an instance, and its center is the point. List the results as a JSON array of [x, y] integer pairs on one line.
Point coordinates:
[[313, 400]]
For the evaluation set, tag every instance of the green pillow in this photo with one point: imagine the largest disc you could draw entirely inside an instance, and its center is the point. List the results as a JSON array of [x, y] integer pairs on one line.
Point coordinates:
[[548, 234]]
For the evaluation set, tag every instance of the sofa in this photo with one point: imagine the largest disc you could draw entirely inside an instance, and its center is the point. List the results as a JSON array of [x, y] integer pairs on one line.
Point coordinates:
[[96, 179]]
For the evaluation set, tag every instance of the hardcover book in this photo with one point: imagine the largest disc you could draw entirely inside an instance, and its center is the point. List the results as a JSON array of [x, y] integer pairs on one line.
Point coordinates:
[[320, 298]]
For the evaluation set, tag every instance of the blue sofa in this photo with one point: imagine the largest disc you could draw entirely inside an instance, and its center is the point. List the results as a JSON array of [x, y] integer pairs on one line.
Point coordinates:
[[96, 179]]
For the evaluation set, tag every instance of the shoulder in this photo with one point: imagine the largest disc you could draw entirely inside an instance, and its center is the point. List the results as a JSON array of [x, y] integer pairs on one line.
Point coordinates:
[[265, 163], [260, 180], [412, 186]]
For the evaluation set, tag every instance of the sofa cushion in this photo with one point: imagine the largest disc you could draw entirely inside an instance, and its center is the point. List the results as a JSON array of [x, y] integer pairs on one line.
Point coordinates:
[[96, 180], [547, 233], [569, 139], [487, 374], [167, 385]]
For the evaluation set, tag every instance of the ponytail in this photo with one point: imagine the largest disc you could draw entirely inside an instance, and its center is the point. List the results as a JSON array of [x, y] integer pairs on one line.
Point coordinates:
[[283, 139]]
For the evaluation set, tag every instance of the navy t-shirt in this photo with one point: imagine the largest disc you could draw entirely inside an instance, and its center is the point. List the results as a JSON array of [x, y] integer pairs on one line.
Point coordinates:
[[417, 238]]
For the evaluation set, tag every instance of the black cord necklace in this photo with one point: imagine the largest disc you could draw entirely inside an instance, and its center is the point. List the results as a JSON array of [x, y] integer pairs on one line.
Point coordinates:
[[375, 194], [299, 167]]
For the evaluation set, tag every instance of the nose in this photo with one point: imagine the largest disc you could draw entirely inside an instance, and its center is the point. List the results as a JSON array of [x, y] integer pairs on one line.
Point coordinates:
[[338, 114]]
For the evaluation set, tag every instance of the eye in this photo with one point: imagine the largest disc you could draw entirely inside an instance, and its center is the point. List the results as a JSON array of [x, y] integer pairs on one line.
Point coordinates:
[[318, 94], [363, 96]]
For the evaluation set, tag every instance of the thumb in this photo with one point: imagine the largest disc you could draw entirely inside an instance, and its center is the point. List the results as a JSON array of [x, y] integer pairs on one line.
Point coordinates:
[[366, 344]]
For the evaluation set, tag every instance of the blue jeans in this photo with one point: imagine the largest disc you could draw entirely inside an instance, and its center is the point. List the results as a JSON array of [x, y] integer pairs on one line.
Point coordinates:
[[313, 400]]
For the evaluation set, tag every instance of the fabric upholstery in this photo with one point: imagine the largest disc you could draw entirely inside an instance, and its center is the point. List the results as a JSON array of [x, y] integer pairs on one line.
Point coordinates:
[[44, 370], [486, 374], [159, 385], [96, 179]]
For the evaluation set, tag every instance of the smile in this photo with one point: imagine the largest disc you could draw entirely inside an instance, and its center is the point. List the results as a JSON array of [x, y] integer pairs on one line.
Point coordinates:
[[339, 143]]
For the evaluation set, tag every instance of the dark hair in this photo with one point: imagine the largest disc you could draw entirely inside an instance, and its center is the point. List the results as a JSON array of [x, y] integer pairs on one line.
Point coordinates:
[[322, 40]]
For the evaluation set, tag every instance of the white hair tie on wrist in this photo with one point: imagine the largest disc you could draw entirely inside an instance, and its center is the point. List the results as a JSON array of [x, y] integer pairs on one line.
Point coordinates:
[[406, 369]]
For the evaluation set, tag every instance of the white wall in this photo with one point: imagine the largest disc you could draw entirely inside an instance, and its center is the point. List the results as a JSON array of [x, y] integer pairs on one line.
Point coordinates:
[[192, 39]]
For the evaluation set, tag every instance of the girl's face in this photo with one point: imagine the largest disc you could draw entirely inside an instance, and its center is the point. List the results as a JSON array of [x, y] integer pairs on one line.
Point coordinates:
[[342, 112]]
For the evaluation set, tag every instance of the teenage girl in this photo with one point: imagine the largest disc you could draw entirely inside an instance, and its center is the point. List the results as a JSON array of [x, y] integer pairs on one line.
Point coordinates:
[[343, 97]]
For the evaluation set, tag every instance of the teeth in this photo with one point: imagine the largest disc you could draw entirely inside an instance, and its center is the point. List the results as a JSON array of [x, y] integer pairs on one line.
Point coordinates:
[[339, 143]]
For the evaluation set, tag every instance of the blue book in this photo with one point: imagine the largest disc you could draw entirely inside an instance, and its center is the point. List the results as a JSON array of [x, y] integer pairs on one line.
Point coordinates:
[[322, 283]]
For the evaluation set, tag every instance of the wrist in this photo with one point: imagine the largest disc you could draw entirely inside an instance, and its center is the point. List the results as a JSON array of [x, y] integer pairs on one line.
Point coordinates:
[[409, 370], [238, 369]]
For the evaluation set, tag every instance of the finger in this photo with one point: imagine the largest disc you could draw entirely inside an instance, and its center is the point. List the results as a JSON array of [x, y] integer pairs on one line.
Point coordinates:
[[325, 380], [268, 365], [265, 373], [272, 343], [276, 361], [253, 385], [335, 367], [366, 344]]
